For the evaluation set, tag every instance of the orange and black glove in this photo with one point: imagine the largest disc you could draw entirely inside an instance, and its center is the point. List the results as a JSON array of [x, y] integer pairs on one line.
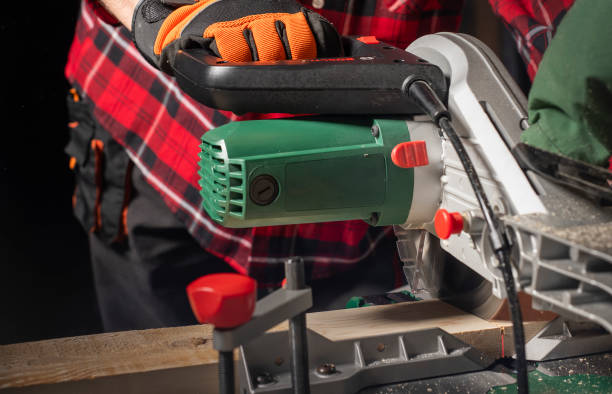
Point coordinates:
[[234, 30]]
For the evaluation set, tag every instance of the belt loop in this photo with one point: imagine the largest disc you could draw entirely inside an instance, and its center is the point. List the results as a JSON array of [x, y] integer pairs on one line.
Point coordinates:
[[98, 147], [127, 195]]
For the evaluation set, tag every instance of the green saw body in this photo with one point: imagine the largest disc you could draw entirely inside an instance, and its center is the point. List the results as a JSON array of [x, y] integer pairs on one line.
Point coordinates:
[[305, 170]]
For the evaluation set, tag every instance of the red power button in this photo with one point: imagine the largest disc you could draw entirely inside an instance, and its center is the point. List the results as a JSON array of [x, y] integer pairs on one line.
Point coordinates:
[[448, 223]]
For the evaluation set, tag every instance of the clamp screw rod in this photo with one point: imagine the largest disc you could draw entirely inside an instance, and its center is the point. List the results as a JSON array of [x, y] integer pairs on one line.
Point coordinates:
[[294, 272], [226, 372]]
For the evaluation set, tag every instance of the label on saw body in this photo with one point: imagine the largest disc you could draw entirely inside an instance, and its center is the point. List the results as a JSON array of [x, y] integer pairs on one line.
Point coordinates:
[[345, 182]]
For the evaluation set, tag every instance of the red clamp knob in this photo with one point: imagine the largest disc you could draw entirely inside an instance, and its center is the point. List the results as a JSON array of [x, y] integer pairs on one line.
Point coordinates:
[[447, 223], [410, 154], [224, 300]]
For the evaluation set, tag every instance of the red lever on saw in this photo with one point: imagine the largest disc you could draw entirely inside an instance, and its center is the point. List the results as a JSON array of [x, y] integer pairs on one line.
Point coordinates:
[[410, 154], [223, 300], [448, 223]]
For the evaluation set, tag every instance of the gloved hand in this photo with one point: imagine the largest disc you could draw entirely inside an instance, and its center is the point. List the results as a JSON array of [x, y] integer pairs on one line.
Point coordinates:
[[234, 30]]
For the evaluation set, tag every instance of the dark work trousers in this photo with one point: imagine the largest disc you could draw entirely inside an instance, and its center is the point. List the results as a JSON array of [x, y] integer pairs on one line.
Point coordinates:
[[143, 257], [141, 283]]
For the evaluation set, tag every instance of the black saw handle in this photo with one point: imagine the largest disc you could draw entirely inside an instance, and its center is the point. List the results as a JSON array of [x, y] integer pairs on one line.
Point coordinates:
[[369, 79], [584, 178]]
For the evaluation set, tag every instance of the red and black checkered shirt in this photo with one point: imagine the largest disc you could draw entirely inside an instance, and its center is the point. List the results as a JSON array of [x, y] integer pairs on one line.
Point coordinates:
[[160, 128], [533, 24]]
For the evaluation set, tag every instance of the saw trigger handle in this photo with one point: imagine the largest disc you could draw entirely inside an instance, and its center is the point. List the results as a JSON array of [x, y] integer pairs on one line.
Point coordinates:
[[369, 79]]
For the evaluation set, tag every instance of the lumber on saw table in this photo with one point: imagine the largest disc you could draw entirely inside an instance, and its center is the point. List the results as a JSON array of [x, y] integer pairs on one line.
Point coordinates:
[[182, 360]]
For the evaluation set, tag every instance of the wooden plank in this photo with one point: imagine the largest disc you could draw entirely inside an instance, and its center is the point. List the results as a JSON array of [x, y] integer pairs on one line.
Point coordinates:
[[94, 356], [193, 379], [183, 358], [533, 323], [395, 318], [413, 316]]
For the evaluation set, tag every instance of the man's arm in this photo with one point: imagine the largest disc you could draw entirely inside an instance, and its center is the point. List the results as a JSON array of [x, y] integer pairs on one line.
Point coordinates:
[[121, 9]]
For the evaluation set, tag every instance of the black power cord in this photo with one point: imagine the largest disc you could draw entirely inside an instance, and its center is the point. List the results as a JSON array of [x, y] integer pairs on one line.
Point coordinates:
[[430, 103]]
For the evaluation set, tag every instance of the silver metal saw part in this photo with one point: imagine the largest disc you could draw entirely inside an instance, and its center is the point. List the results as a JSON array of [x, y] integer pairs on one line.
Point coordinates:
[[562, 339], [433, 273], [347, 366], [427, 190], [482, 100], [562, 241]]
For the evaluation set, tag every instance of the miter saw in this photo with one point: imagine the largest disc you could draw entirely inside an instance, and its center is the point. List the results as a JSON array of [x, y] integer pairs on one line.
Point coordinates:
[[477, 214]]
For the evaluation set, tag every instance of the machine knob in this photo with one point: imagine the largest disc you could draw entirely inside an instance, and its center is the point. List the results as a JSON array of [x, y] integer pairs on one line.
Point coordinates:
[[447, 223], [224, 300], [368, 40], [410, 154]]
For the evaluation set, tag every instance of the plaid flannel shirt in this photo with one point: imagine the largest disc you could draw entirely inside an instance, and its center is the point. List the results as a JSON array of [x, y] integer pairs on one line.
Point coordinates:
[[533, 24], [160, 128]]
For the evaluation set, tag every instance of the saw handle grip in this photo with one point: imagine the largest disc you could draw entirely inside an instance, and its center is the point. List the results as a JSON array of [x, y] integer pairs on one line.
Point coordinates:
[[369, 79]]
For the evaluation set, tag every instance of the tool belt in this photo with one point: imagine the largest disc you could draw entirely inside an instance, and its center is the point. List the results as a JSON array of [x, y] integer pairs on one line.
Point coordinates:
[[102, 172]]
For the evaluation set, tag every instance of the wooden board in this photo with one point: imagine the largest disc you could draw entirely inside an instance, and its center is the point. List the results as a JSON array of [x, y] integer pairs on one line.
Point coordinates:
[[484, 335], [85, 358], [414, 316], [181, 359]]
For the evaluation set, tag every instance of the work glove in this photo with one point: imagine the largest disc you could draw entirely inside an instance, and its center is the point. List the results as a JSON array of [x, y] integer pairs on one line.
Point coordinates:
[[234, 30]]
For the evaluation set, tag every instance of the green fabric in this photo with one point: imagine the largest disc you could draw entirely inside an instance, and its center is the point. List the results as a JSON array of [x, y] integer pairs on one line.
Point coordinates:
[[355, 302], [541, 383], [570, 102]]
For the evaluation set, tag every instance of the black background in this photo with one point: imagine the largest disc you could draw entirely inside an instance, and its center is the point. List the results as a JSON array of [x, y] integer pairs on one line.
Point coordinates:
[[45, 277]]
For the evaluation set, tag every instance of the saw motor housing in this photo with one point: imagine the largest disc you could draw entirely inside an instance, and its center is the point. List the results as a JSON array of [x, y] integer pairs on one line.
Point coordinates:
[[288, 171]]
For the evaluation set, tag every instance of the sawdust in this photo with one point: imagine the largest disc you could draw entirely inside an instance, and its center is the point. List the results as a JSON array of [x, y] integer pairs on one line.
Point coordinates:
[[597, 236]]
